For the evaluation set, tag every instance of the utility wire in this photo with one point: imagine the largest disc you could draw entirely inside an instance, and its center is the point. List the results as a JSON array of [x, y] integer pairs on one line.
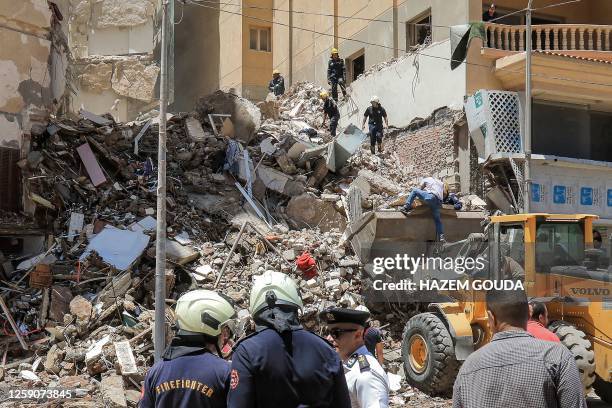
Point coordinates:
[[392, 48], [215, 3]]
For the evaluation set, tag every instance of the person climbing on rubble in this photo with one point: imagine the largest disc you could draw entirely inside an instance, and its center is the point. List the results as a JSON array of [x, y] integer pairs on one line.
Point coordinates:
[[431, 191], [277, 83], [336, 74], [282, 365], [330, 110], [191, 372], [375, 114], [367, 382]]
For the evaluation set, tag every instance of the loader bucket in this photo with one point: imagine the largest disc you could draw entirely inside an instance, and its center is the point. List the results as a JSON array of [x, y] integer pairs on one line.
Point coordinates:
[[385, 233]]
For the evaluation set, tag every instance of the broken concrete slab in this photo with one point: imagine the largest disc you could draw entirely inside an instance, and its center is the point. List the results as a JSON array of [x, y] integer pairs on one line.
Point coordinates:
[[308, 211], [126, 364], [286, 164], [97, 119], [179, 253], [113, 392], [195, 131], [120, 248], [345, 145], [246, 117], [96, 77], [133, 79], [81, 308], [379, 184]]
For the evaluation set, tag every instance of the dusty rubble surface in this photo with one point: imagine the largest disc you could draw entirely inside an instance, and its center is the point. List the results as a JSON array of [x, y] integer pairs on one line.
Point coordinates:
[[83, 301]]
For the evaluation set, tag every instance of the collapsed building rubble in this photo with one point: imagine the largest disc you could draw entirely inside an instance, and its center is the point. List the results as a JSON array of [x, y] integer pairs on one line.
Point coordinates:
[[79, 285]]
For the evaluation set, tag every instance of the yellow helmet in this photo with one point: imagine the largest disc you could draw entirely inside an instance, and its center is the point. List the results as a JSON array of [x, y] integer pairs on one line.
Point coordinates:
[[323, 94], [334, 51], [276, 71]]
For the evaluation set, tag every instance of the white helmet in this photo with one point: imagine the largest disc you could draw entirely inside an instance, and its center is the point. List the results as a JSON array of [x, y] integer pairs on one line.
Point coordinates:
[[375, 99], [362, 308], [274, 287], [204, 311]]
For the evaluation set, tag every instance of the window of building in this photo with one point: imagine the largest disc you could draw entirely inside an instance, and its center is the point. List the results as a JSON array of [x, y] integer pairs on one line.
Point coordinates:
[[571, 131], [260, 39], [355, 65], [418, 30], [10, 186]]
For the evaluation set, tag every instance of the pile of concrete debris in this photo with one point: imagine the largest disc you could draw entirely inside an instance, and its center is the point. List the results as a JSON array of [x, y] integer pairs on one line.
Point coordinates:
[[78, 290]]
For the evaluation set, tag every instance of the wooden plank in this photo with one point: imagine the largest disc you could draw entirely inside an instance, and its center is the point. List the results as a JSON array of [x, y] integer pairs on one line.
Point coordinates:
[[91, 165], [9, 317]]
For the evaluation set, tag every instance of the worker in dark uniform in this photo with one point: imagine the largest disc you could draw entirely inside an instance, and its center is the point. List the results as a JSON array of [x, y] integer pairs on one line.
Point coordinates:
[[277, 83], [336, 74], [282, 365], [191, 373], [366, 380], [375, 114], [330, 110]]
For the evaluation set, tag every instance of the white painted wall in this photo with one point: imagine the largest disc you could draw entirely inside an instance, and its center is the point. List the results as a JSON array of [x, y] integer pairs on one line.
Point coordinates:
[[411, 88], [10, 131]]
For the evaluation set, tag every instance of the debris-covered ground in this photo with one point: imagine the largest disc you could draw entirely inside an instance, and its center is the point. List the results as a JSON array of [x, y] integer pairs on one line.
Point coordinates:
[[78, 278]]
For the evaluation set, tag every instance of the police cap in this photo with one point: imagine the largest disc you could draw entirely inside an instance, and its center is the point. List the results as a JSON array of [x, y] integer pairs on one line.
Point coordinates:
[[333, 315]]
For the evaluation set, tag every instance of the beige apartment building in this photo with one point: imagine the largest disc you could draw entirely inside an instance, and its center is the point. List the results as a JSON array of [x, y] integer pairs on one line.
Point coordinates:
[[370, 32], [571, 163]]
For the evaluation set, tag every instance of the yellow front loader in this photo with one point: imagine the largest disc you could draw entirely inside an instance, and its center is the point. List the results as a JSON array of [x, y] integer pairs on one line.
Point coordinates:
[[553, 255]]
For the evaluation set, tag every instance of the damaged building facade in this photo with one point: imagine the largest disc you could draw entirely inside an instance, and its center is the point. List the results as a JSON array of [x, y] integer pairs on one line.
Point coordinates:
[[112, 46], [116, 49], [33, 63], [401, 53]]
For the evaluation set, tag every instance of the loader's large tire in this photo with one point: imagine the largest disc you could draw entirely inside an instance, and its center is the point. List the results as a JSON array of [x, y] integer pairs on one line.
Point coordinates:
[[581, 348], [429, 355], [603, 389]]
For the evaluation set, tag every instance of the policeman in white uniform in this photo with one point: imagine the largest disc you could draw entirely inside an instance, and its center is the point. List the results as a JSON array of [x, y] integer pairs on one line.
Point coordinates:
[[367, 381]]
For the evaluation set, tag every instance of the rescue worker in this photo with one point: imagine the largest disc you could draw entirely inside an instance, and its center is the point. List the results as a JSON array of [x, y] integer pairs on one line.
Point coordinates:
[[375, 114], [431, 191], [367, 381], [281, 364], [277, 83], [330, 110], [191, 373], [336, 74]]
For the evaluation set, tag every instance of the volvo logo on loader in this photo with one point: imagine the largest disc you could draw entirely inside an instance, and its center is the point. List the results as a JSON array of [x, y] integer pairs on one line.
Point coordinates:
[[591, 291]]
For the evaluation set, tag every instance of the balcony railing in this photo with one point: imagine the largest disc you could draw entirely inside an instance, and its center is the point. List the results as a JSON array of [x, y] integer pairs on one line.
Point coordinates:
[[549, 37]]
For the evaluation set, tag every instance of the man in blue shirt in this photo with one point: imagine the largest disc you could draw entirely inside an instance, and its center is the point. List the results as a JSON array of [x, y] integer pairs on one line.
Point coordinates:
[[191, 374], [282, 365]]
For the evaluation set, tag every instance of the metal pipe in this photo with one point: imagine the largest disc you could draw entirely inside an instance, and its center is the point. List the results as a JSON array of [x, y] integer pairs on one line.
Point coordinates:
[[527, 142], [231, 252], [160, 243]]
